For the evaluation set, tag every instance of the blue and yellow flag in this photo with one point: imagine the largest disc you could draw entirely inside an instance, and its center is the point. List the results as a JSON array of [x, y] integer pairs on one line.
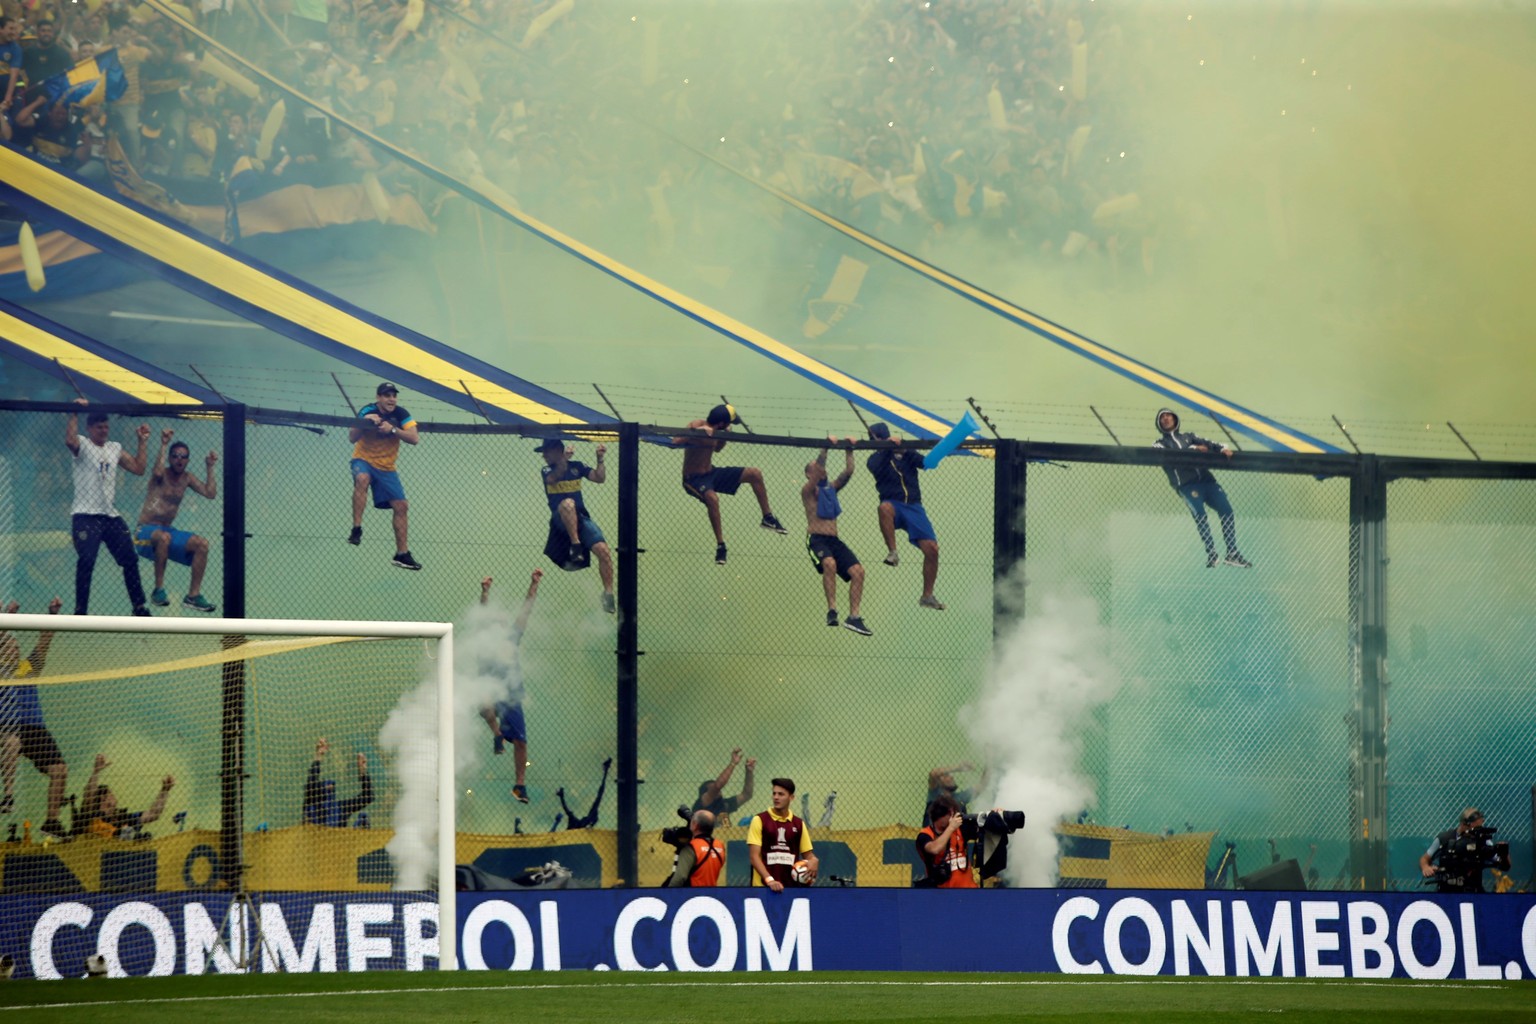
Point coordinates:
[[88, 83]]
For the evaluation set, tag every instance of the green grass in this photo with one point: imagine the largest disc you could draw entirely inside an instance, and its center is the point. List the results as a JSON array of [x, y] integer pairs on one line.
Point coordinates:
[[804, 998]]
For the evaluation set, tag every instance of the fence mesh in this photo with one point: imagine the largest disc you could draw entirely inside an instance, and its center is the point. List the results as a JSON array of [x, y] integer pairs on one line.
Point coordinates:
[[1125, 690]]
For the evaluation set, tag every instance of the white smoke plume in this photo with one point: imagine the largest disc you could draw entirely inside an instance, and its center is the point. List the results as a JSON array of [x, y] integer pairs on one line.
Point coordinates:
[[485, 670], [1051, 670]]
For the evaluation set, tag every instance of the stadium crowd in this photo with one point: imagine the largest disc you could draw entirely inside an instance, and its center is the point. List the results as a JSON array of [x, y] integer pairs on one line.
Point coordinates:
[[911, 118]]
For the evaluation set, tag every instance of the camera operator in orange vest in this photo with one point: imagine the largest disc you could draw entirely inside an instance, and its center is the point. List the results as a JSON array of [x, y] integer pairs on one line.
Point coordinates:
[[942, 846], [700, 863]]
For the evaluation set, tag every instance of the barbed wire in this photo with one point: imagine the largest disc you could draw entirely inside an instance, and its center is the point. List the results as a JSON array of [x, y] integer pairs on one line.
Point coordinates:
[[305, 390]]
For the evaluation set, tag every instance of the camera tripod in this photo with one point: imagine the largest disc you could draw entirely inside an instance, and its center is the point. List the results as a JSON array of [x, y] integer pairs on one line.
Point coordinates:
[[240, 936]]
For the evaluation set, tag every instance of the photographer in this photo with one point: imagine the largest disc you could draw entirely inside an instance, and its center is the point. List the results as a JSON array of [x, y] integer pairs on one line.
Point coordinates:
[[942, 846], [701, 861], [1463, 852]]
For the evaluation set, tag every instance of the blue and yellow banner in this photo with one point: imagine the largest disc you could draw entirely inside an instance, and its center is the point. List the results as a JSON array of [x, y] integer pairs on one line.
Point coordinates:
[[278, 301], [88, 83]]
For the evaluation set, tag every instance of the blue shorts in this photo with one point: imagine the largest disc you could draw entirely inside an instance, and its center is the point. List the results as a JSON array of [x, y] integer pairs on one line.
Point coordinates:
[[557, 546], [143, 540], [386, 483], [721, 480], [913, 519], [509, 719]]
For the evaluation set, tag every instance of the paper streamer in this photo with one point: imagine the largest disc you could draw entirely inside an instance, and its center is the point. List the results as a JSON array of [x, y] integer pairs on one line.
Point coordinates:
[[269, 129], [31, 259], [951, 441]]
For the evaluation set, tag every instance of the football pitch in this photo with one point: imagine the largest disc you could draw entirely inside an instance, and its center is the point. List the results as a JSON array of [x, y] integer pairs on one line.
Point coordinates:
[[806, 999]]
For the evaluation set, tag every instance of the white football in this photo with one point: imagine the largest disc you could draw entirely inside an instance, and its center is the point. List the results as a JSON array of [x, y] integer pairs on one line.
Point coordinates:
[[801, 872]]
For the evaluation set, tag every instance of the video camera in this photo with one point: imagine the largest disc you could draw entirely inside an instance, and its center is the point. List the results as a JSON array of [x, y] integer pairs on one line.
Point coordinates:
[[679, 835], [1463, 861]]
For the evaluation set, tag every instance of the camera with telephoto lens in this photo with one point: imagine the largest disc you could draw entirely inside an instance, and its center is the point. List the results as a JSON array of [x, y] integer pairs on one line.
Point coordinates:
[[1001, 822], [679, 835]]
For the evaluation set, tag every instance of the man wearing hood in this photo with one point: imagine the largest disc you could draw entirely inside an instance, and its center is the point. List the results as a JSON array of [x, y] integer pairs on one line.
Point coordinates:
[[1198, 487]]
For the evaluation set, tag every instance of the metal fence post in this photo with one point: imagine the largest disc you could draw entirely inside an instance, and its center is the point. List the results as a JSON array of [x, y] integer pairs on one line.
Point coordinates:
[[232, 719], [1009, 491], [1368, 643], [628, 683]]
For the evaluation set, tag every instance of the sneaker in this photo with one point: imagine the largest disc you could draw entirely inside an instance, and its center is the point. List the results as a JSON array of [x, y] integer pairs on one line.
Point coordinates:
[[404, 561], [142, 612], [520, 794], [931, 602], [720, 554], [198, 602], [609, 605], [832, 617], [892, 559], [7, 804], [159, 598], [856, 624], [1211, 559], [576, 556], [771, 522], [1233, 558], [356, 536], [51, 829]]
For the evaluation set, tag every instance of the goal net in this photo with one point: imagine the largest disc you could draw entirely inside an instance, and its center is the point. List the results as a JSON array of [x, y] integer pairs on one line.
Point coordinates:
[[187, 796]]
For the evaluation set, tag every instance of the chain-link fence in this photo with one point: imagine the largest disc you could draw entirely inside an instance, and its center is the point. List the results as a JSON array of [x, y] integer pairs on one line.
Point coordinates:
[[1088, 667]]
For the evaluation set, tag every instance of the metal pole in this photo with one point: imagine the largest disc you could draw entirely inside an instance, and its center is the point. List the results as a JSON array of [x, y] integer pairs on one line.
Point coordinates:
[[628, 674], [1009, 493], [232, 673], [1368, 643]]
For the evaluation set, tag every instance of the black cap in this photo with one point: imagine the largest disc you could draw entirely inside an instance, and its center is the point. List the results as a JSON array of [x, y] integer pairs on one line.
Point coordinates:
[[386, 388], [879, 431], [722, 415], [551, 444]]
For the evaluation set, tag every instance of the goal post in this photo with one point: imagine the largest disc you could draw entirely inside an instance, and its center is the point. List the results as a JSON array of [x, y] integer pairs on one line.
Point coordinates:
[[105, 679]]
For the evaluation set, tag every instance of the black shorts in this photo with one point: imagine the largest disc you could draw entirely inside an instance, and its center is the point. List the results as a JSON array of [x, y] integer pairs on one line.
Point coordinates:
[[37, 746], [721, 480], [821, 547]]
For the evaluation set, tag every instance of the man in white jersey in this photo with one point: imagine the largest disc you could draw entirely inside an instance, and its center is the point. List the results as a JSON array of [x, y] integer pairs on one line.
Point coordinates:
[[94, 519]]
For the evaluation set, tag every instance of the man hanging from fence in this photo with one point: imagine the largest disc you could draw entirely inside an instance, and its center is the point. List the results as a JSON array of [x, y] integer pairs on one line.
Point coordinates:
[[505, 715], [94, 519], [705, 481], [381, 426], [830, 557], [901, 507], [1198, 487], [156, 540], [573, 537]]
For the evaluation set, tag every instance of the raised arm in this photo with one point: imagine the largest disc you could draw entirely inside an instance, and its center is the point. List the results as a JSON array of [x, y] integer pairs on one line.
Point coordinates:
[[693, 441], [39, 656], [599, 473], [90, 797], [808, 489], [165, 439], [72, 429], [847, 473], [713, 791], [157, 805], [140, 460], [209, 489], [520, 624]]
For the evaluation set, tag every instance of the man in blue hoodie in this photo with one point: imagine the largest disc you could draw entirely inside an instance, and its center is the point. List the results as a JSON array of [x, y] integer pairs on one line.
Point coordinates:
[[1198, 487]]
